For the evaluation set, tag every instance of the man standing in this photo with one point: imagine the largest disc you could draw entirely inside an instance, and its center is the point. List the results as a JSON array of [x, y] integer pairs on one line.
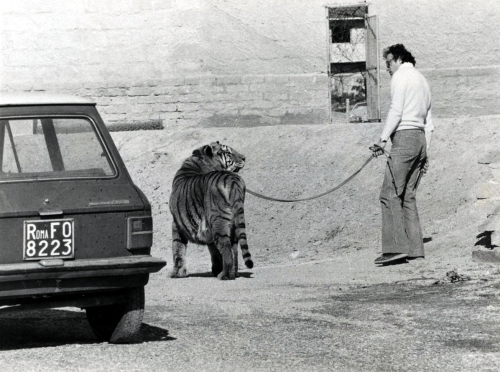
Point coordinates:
[[409, 126]]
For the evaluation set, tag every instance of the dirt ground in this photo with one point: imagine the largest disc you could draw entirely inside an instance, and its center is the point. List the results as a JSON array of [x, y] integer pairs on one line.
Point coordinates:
[[303, 160], [314, 300]]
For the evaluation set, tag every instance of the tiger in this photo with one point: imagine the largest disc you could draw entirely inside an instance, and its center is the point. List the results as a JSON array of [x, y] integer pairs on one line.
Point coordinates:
[[207, 206]]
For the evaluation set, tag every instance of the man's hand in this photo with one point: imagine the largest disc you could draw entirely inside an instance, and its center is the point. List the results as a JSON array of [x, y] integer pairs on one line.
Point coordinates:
[[378, 149], [425, 167]]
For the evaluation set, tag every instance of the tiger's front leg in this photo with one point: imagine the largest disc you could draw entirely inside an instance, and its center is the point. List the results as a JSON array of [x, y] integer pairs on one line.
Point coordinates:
[[179, 246], [216, 259]]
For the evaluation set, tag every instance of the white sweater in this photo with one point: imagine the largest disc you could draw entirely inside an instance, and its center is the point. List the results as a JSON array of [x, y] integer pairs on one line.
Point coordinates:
[[411, 103]]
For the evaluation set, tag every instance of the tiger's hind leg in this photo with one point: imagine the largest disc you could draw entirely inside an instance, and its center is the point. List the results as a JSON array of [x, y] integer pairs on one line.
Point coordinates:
[[224, 245], [179, 247], [234, 249], [216, 259]]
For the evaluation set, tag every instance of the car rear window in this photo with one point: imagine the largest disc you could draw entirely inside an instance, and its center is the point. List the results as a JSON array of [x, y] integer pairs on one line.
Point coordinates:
[[52, 147]]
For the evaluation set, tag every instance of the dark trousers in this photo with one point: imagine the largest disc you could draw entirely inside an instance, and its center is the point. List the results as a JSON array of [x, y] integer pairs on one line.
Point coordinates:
[[401, 231]]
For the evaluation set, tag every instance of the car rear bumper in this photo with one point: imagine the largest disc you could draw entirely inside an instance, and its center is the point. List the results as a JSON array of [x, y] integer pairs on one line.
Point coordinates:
[[30, 279], [81, 268]]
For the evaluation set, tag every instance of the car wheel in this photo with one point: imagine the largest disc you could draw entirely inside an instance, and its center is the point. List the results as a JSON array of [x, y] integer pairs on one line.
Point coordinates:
[[119, 323]]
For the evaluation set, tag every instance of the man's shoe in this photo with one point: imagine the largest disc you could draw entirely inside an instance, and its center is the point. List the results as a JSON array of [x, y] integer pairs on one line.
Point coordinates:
[[390, 257]]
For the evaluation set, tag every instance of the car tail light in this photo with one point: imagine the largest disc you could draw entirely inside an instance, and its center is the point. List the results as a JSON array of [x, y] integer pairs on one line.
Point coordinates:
[[139, 232]]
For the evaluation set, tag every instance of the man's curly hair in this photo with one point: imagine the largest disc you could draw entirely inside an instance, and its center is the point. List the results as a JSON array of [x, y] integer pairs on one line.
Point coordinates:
[[399, 51]]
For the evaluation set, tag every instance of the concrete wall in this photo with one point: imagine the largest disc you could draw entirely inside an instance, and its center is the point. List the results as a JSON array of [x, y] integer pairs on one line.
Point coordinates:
[[235, 62]]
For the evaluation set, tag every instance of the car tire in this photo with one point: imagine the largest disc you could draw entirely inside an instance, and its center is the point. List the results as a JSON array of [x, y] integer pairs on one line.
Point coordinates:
[[119, 323]]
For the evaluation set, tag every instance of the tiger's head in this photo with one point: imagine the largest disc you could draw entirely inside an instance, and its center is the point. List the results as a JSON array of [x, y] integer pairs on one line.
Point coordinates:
[[220, 157]]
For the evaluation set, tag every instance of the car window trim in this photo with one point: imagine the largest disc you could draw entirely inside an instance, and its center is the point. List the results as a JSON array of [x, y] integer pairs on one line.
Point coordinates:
[[97, 131], [52, 143]]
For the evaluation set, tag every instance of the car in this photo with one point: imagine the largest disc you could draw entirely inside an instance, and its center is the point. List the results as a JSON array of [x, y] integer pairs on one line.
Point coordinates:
[[75, 230], [359, 113]]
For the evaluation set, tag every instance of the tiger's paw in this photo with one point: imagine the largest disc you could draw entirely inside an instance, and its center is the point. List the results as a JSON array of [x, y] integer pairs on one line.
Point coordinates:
[[223, 276], [216, 270], [182, 273]]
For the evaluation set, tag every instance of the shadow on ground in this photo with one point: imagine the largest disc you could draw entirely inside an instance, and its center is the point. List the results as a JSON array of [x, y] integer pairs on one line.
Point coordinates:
[[439, 314], [42, 328], [209, 274], [484, 239]]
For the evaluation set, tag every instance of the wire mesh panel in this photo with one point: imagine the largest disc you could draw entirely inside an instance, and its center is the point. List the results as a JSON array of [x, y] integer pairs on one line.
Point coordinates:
[[372, 69], [342, 12]]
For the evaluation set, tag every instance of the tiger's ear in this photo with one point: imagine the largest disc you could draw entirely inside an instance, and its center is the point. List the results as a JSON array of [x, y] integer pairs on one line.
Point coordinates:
[[215, 147], [205, 150]]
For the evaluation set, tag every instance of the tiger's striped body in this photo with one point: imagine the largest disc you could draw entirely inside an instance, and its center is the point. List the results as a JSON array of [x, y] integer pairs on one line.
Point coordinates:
[[207, 208]]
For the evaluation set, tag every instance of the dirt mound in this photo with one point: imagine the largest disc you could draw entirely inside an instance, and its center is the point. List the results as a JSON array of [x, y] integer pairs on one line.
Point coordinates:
[[298, 161]]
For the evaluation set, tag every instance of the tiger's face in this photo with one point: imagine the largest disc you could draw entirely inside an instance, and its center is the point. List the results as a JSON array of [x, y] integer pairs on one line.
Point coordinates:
[[225, 156], [231, 159]]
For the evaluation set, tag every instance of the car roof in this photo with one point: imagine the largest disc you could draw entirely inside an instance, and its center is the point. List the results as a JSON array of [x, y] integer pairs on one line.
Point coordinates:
[[41, 98]]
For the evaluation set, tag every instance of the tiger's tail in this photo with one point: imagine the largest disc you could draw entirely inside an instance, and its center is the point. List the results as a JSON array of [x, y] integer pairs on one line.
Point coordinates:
[[241, 237]]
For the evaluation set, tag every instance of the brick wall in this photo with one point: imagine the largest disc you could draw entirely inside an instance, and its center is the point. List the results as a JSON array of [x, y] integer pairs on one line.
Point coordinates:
[[212, 101]]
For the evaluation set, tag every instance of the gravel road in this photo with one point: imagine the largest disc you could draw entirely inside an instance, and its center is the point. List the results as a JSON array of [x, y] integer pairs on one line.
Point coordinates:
[[342, 314]]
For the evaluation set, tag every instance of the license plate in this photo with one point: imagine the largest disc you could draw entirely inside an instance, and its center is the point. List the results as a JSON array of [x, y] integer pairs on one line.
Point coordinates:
[[48, 239]]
